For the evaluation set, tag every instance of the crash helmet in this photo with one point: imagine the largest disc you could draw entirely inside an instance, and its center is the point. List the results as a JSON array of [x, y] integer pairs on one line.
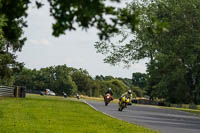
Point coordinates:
[[129, 91]]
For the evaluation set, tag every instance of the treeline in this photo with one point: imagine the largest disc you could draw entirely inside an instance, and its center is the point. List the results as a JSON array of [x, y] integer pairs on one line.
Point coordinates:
[[71, 80], [167, 37]]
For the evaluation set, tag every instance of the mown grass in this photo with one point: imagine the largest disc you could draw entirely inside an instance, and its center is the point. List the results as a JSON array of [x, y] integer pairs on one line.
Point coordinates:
[[43, 114]]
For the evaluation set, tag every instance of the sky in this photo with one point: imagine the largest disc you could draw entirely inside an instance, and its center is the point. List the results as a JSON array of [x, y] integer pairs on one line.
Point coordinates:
[[75, 49]]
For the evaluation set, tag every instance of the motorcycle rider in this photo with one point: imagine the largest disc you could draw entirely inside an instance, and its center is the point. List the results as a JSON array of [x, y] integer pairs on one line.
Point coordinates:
[[65, 95], [109, 91], [77, 96], [128, 94]]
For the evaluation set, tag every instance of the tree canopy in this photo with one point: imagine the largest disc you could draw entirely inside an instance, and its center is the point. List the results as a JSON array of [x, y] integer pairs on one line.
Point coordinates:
[[167, 35], [68, 15], [71, 80]]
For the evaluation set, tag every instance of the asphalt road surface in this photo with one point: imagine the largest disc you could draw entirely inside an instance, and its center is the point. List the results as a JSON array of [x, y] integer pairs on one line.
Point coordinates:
[[163, 120]]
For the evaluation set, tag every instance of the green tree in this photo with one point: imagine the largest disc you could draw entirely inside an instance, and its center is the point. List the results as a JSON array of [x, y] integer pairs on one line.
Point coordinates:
[[26, 77], [56, 78], [108, 77], [95, 88], [83, 81], [126, 81], [99, 77], [11, 40], [68, 15], [168, 35], [118, 87], [139, 79], [63, 81]]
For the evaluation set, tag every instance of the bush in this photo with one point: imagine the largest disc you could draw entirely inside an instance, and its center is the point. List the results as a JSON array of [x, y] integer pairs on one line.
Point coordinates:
[[138, 91], [192, 106]]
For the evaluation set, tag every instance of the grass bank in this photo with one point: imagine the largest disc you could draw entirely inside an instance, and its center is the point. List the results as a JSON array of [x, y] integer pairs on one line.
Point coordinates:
[[46, 114]]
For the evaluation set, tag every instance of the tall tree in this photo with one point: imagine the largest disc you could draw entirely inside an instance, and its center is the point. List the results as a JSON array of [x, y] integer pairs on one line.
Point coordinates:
[[168, 35], [139, 79], [57, 79], [12, 21], [83, 81]]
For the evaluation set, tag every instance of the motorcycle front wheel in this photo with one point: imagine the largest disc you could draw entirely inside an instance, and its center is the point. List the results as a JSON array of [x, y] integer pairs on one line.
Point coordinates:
[[106, 103]]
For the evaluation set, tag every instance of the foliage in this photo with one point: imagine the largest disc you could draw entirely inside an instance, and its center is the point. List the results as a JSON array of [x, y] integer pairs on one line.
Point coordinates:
[[14, 13], [168, 36], [99, 77], [56, 78], [176, 59], [117, 83], [95, 88], [126, 81], [8, 65], [68, 15], [118, 87], [71, 80], [137, 92], [139, 79], [82, 80], [85, 14], [11, 39]]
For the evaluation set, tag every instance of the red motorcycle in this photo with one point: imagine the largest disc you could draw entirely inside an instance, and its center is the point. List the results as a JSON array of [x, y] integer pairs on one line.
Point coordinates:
[[107, 99]]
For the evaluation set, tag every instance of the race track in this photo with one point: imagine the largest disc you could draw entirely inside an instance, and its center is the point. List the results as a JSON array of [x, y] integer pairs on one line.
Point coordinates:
[[163, 120]]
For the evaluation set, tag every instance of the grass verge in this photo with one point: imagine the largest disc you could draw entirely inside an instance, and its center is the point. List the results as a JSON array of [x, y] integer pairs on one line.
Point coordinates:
[[46, 114]]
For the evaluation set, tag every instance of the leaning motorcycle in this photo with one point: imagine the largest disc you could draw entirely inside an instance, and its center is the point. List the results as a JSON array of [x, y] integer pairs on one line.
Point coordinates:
[[123, 102], [107, 99], [77, 96]]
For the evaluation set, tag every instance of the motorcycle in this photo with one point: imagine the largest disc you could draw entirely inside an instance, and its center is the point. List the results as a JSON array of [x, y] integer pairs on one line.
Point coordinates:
[[77, 96], [107, 99], [65, 95], [123, 103]]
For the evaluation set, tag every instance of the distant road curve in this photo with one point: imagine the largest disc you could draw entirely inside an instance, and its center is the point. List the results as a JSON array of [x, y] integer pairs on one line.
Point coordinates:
[[163, 120]]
